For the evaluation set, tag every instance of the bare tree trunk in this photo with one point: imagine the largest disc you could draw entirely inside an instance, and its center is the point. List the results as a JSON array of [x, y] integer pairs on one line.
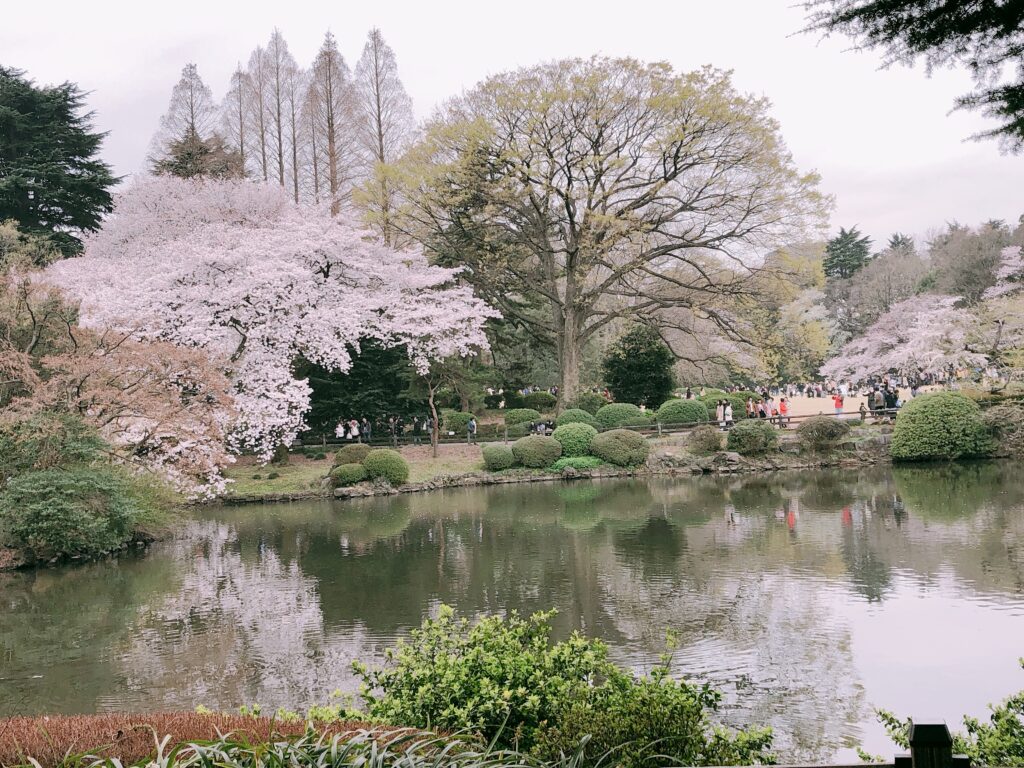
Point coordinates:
[[569, 358]]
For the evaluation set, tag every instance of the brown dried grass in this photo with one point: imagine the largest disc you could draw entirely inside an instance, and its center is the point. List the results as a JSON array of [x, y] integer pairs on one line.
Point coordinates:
[[50, 739]]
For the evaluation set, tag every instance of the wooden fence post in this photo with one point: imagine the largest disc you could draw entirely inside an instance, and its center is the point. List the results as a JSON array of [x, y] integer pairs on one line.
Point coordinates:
[[931, 746]]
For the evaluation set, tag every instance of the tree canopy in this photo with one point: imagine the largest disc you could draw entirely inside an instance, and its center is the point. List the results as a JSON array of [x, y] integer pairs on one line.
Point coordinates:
[[638, 368], [52, 182], [846, 253]]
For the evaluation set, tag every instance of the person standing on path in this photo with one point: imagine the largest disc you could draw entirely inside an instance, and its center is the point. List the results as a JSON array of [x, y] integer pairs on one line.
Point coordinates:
[[471, 429]]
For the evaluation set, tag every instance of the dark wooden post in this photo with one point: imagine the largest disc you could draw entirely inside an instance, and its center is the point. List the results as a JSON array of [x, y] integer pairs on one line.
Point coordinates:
[[931, 746]]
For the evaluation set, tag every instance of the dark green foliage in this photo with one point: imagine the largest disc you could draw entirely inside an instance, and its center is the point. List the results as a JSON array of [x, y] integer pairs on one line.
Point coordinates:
[[383, 463], [846, 253], [576, 416], [575, 438], [986, 37], [540, 401], [638, 368], [377, 385], [516, 431], [47, 440], [347, 474], [590, 402], [498, 457], [505, 679], [51, 180], [521, 416], [68, 512], [622, 447], [536, 451], [738, 401], [273, 475], [940, 425], [752, 437], [705, 440], [621, 415], [683, 412], [193, 156], [456, 421], [577, 462], [820, 432], [353, 453]]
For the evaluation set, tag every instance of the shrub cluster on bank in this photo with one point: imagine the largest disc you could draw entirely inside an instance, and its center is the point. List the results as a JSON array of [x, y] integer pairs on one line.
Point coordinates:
[[357, 462], [574, 445]]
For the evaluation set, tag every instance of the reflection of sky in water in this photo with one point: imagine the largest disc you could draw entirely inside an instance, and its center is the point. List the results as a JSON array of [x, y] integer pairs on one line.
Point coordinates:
[[806, 598]]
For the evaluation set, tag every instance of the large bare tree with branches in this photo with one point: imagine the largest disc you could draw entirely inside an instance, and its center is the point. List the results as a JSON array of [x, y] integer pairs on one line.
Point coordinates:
[[582, 191]]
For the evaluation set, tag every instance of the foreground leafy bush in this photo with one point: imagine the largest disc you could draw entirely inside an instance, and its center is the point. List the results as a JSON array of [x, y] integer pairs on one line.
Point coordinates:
[[576, 416], [682, 412], [752, 437], [536, 451], [705, 439], [616, 415], [387, 464], [68, 512], [353, 453], [1006, 423], [521, 416], [577, 462], [48, 440], [457, 421], [504, 679], [820, 432], [574, 438], [498, 457], [621, 447], [541, 401], [591, 402], [347, 474], [941, 425]]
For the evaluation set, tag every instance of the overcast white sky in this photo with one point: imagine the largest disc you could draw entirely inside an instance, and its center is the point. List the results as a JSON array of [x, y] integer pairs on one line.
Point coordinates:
[[881, 139]]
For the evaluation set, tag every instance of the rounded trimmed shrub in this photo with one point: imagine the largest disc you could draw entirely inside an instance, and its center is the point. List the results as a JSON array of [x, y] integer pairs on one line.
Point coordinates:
[[577, 462], [621, 447], [347, 474], [576, 416], [738, 400], [456, 421], [683, 412], [591, 402], [517, 430], [351, 454], [541, 401], [820, 432], [536, 451], [575, 438], [498, 457], [751, 437], [705, 440], [620, 415], [521, 416], [386, 464], [941, 425]]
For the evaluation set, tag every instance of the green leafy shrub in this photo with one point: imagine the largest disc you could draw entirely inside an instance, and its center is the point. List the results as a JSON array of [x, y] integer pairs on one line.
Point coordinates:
[[354, 453], [738, 401], [521, 416], [273, 475], [682, 412], [705, 439], [536, 451], [1006, 422], [752, 437], [941, 425], [621, 447], [517, 430], [576, 416], [591, 402], [68, 512], [498, 457], [47, 440], [505, 679], [347, 474], [820, 432], [577, 462], [637, 367], [456, 421], [616, 415], [387, 464], [575, 438], [541, 401]]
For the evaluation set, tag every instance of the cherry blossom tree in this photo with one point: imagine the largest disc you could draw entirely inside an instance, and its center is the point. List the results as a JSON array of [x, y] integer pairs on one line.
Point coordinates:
[[923, 334], [239, 270]]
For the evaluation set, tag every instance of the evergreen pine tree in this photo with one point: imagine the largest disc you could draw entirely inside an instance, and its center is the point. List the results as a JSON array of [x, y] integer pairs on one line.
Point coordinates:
[[638, 368], [846, 253]]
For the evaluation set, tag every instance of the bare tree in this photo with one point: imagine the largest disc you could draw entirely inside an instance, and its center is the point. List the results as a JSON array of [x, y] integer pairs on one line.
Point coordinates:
[[191, 112], [385, 123], [329, 104], [235, 112], [257, 72]]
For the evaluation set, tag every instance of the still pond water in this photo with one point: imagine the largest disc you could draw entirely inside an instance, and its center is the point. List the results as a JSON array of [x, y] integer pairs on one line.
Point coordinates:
[[807, 598]]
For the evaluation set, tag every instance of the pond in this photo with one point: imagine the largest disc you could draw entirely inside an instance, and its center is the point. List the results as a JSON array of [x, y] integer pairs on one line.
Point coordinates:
[[807, 598]]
